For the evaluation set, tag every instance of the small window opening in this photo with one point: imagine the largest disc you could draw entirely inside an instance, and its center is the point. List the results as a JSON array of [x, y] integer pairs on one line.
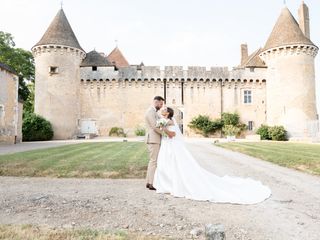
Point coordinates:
[[53, 70], [250, 125]]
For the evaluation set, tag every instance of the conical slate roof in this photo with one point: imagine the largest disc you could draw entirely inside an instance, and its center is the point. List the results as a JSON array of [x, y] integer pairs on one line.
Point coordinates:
[[254, 60], [286, 32], [94, 58], [60, 33], [116, 57]]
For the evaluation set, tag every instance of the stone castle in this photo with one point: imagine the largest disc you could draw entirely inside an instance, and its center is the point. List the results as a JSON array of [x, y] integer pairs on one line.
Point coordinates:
[[89, 93]]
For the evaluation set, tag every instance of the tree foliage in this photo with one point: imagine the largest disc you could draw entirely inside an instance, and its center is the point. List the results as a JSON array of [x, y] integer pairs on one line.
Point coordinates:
[[28, 106], [18, 59]]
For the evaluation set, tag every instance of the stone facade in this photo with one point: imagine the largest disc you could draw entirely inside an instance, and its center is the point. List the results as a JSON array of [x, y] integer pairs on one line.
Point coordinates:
[[10, 108], [109, 100], [89, 93]]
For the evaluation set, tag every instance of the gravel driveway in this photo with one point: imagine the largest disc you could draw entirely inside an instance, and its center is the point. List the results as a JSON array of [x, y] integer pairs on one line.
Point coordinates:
[[293, 211]]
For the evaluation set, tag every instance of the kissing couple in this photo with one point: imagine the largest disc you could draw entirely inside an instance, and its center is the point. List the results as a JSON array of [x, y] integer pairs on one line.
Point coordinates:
[[173, 170]]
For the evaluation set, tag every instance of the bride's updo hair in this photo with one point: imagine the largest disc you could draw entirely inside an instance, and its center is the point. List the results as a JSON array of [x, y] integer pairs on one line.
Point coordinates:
[[171, 112]]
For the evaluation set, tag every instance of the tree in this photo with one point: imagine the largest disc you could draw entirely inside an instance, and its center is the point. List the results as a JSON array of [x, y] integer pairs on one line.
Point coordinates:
[[28, 106], [18, 59]]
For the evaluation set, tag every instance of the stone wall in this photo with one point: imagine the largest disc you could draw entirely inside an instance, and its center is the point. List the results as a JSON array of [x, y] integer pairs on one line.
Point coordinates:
[[120, 98], [8, 107], [19, 125]]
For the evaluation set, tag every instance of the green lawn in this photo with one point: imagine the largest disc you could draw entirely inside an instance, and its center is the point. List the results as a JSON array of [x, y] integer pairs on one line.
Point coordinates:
[[301, 156], [29, 232], [101, 160]]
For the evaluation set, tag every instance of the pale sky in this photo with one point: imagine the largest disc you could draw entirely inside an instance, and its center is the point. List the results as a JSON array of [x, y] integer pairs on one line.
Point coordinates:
[[166, 32]]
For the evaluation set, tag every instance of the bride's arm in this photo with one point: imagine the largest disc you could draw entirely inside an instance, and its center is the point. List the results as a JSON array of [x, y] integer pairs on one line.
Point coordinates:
[[171, 134]]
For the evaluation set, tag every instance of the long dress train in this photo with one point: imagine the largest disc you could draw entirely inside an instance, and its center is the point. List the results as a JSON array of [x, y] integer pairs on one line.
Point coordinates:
[[179, 174]]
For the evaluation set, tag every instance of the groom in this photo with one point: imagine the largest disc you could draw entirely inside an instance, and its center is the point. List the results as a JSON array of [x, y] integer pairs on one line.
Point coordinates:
[[153, 138]]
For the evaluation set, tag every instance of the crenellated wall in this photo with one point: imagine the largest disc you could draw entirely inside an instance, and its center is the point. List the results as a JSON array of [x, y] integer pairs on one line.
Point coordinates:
[[110, 98], [171, 72]]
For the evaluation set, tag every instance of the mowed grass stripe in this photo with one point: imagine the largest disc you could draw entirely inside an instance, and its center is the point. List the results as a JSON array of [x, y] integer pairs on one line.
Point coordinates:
[[289, 147], [98, 159], [34, 155], [46, 158], [113, 159], [303, 157], [68, 159], [296, 154], [268, 153]]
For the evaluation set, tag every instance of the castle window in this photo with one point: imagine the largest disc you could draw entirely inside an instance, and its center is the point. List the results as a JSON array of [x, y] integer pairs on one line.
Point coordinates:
[[1, 111], [53, 70], [251, 69], [94, 68], [247, 96], [250, 125]]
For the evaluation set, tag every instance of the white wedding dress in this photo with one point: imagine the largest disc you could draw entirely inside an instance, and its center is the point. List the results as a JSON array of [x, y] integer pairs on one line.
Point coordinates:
[[180, 175]]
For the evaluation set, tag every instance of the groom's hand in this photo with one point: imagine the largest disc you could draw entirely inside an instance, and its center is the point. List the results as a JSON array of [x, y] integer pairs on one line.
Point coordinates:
[[171, 134]]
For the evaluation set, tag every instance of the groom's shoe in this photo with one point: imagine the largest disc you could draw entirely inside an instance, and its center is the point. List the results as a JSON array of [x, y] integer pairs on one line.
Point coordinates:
[[150, 186]]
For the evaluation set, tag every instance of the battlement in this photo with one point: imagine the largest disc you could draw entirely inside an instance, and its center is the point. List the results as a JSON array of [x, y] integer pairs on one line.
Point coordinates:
[[294, 50], [172, 73], [38, 50]]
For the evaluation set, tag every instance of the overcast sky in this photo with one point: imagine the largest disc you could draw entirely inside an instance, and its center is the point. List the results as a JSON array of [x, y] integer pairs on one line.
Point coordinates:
[[163, 32]]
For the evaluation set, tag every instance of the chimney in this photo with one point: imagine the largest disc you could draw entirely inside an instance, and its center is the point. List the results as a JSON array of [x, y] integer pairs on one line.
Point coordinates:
[[244, 53], [304, 21]]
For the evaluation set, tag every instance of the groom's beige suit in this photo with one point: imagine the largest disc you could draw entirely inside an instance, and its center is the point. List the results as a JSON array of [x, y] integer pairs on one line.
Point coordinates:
[[153, 140]]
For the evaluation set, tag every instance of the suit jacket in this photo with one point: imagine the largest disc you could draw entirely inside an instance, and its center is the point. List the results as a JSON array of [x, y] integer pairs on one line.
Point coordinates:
[[153, 133]]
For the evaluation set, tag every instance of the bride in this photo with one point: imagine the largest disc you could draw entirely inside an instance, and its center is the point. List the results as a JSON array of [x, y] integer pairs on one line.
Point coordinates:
[[180, 175]]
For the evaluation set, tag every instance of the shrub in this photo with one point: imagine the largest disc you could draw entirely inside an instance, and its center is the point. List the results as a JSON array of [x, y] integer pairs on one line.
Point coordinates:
[[36, 128], [230, 130], [205, 125], [140, 131], [263, 131], [278, 133], [230, 119], [117, 131]]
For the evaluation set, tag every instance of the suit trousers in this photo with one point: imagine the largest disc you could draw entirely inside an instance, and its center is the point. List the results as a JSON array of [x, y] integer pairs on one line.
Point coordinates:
[[153, 149]]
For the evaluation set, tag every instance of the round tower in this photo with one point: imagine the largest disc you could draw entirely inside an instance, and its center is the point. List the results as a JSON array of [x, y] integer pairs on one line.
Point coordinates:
[[58, 56], [289, 55]]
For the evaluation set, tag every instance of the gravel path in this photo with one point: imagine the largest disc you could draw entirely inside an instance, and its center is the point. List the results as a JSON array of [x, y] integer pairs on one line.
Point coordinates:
[[293, 211]]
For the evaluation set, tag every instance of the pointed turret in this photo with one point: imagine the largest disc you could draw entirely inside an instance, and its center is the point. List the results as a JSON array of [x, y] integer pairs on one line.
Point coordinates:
[[286, 32], [60, 33], [290, 90], [57, 57], [116, 57]]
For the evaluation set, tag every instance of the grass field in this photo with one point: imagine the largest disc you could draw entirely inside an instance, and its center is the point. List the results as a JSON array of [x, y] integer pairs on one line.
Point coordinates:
[[29, 232], [304, 157], [100, 160]]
